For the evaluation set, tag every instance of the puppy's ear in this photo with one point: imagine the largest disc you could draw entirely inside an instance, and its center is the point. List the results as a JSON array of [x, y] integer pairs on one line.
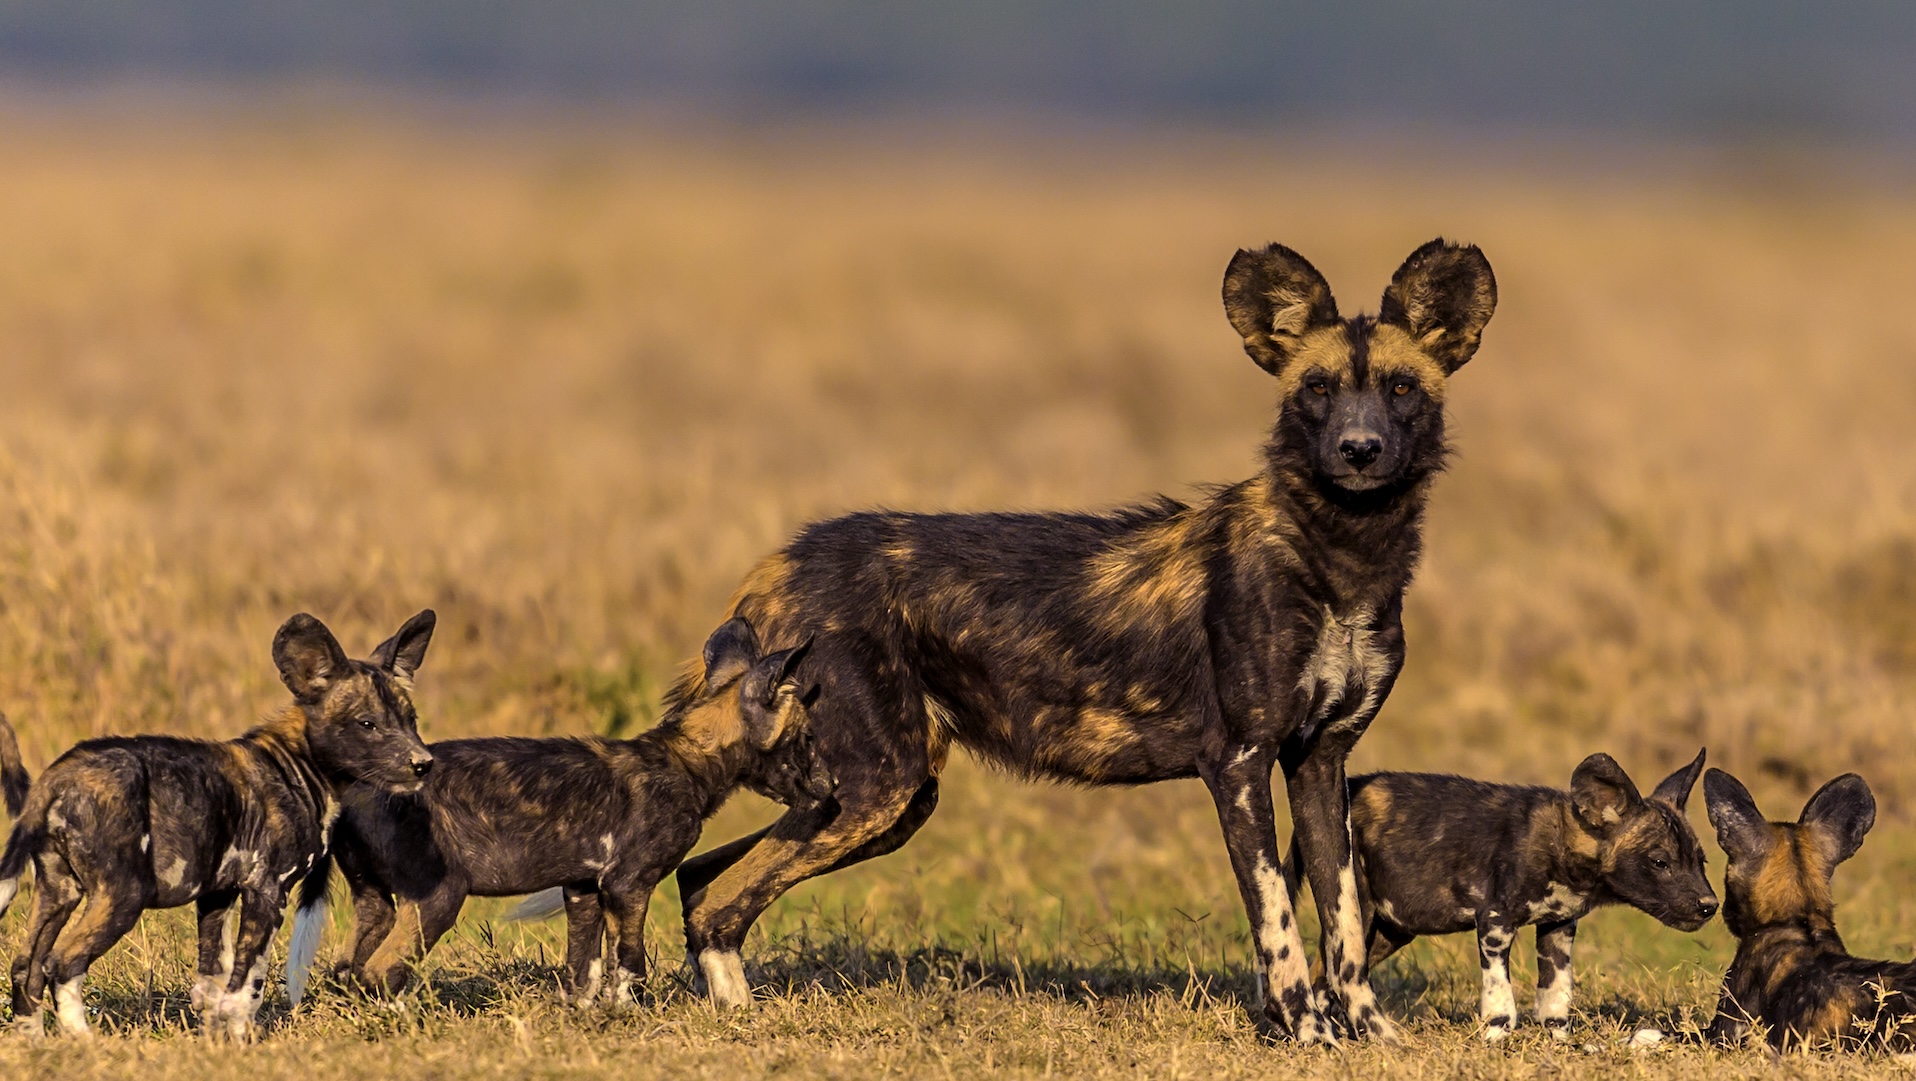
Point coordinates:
[[1838, 816], [1273, 296], [1675, 789], [769, 696], [405, 651], [730, 650], [1602, 793], [308, 657], [1443, 295], [1741, 829]]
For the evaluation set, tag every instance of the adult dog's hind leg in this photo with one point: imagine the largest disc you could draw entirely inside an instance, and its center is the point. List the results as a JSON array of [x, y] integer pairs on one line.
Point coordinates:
[[1240, 785], [698, 872], [798, 846], [216, 933]]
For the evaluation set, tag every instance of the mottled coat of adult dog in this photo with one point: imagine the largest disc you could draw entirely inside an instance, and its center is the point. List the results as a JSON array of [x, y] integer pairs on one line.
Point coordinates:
[[603, 819], [1792, 979], [1439, 854], [130, 823], [1257, 627]]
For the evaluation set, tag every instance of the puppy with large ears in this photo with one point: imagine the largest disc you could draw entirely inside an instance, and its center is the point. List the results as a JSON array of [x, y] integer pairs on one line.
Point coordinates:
[[596, 822], [1792, 977]]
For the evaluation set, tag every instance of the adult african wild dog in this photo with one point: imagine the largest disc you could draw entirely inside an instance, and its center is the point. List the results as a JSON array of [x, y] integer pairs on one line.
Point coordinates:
[[1792, 976], [604, 819], [1440, 854], [129, 823], [1259, 626]]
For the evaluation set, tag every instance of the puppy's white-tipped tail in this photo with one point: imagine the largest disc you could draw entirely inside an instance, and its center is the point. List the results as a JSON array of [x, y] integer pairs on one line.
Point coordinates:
[[309, 926], [540, 905]]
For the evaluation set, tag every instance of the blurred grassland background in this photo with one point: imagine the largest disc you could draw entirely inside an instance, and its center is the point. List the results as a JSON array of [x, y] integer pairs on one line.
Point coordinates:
[[564, 368]]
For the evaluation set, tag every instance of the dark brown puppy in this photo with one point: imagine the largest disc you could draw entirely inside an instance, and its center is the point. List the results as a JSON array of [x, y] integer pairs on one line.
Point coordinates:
[[1258, 627], [137, 822], [1440, 854], [1792, 976], [603, 819]]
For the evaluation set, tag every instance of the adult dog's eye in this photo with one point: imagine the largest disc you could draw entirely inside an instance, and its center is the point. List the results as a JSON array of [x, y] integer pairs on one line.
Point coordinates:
[[1319, 386], [1401, 387]]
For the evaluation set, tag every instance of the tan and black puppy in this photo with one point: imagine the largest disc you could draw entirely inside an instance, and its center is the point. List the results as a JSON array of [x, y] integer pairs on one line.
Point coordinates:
[[603, 819], [1792, 976], [129, 823], [1438, 854]]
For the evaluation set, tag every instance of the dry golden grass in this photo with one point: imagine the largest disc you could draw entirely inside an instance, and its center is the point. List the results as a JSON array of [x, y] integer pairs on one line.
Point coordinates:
[[565, 383]]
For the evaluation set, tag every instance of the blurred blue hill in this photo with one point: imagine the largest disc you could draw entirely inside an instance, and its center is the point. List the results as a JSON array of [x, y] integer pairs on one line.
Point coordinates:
[[1766, 68]]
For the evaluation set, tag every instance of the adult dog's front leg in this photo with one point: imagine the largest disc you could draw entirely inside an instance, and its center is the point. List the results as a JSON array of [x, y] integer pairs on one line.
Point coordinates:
[[1320, 814], [1496, 932], [1240, 784], [1555, 944]]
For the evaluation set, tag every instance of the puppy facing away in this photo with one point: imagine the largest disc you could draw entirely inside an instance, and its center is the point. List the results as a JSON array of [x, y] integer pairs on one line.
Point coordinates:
[[602, 819], [1439, 854], [129, 823], [1792, 977]]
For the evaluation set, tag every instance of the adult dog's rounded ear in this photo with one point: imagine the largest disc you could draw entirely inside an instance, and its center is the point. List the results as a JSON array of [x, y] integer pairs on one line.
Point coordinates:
[[308, 657], [1741, 830], [405, 651], [1273, 296], [730, 650], [1675, 789], [1838, 816], [1443, 296], [1601, 792]]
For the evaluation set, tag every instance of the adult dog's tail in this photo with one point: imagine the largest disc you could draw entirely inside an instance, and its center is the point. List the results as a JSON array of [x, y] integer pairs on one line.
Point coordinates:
[[309, 926]]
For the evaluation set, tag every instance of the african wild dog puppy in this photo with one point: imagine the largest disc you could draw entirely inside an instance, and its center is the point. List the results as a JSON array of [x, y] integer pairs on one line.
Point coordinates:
[[1791, 976], [1258, 627], [130, 823], [604, 819], [1439, 854]]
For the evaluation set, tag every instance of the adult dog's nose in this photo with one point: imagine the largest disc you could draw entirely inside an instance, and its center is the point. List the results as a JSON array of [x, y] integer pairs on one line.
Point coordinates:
[[1360, 449]]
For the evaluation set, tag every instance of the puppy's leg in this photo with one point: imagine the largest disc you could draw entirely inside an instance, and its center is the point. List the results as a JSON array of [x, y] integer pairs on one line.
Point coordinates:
[[373, 918], [108, 916], [1495, 934], [1555, 941], [55, 897], [627, 906], [259, 919], [585, 938], [216, 950], [420, 925]]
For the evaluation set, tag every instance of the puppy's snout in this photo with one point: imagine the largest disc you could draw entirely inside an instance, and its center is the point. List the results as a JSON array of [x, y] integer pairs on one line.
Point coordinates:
[[1360, 448], [1707, 906], [421, 765]]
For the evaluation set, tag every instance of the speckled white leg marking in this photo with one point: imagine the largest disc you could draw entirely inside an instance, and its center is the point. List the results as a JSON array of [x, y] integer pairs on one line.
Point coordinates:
[[1343, 946], [1279, 951], [622, 994], [725, 979], [70, 1007], [1499, 1006]]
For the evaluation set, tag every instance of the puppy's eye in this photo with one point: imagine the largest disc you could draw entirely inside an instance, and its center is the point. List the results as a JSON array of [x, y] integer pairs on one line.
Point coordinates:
[[368, 723], [1659, 863]]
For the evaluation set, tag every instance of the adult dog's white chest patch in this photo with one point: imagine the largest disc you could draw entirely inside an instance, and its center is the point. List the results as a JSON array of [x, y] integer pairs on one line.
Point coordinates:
[[1345, 665]]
